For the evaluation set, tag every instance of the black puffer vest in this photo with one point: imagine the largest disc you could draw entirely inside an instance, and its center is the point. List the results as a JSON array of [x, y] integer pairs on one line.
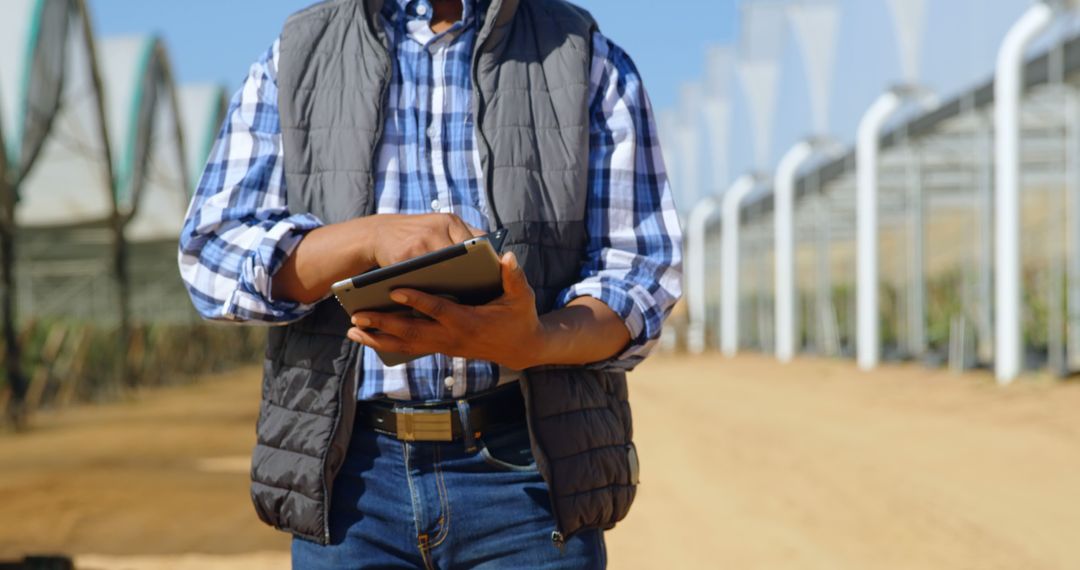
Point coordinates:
[[530, 97]]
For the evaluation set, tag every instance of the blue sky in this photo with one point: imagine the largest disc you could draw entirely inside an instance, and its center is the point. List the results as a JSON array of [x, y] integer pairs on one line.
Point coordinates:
[[216, 40]]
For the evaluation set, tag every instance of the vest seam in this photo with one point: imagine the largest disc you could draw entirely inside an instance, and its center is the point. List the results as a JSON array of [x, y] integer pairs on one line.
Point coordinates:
[[594, 490], [531, 168], [589, 450], [575, 411], [315, 370], [284, 488], [268, 445], [287, 409], [499, 89], [358, 86]]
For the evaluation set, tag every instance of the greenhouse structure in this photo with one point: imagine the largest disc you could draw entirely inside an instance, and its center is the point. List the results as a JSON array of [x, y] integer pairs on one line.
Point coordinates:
[[101, 153], [949, 233]]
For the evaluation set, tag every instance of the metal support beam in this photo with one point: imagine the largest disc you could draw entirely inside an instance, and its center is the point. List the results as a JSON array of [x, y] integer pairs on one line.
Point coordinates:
[[1057, 355], [985, 303], [783, 224], [828, 342], [696, 277], [1072, 249], [916, 232], [729, 262], [1008, 88], [867, 150]]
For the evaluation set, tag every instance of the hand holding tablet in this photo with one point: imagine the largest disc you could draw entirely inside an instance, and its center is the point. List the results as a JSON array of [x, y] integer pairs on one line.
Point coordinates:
[[468, 273]]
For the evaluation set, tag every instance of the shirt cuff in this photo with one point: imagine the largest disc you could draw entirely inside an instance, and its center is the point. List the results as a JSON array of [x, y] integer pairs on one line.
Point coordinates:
[[254, 296], [633, 304]]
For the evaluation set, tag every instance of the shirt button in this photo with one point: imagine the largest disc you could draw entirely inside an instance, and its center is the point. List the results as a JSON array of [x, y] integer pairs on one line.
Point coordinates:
[[435, 205], [449, 381], [421, 10]]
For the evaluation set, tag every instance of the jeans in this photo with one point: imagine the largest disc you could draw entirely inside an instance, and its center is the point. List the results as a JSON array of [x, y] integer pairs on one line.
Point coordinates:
[[437, 505]]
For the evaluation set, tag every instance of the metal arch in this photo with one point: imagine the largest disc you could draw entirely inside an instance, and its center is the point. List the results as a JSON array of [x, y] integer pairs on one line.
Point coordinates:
[[868, 336], [696, 276], [783, 220], [1008, 89], [153, 87], [731, 208]]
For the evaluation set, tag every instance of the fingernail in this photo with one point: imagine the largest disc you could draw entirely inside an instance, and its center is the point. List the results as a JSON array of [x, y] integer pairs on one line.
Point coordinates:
[[399, 297], [361, 321]]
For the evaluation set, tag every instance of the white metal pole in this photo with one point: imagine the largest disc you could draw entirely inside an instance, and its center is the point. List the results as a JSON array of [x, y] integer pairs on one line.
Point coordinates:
[[729, 262], [867, 335], [784, 228], [695, 272], [1072, 249], [1008, 88], [866, 232]]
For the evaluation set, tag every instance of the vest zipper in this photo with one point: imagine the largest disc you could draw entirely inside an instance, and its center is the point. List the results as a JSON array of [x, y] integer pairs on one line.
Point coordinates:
[[328, 476], [557, 536], [558, 540], [485, 146], [354, 359]]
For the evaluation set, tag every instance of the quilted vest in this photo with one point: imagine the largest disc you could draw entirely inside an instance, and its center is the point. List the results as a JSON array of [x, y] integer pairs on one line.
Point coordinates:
[[530, 107]]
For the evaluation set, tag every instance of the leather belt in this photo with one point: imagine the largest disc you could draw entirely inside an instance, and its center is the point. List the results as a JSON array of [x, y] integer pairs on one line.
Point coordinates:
[[441, 421]]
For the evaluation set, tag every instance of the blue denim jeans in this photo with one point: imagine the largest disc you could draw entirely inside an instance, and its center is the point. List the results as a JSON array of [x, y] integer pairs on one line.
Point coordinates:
[[437, 505]]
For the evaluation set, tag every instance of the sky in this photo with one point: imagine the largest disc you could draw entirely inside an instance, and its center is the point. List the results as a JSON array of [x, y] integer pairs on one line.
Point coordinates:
[[216, 40]]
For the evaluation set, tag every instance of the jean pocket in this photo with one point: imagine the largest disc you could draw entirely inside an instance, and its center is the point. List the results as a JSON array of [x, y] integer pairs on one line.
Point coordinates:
[[508, 451]]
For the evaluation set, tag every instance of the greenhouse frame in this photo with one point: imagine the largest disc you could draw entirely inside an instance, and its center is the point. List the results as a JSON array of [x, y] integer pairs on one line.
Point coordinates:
[[949, 233], [101, 153]]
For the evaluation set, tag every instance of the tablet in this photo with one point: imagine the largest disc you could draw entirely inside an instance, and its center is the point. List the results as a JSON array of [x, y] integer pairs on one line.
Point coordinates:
[[467, 273]]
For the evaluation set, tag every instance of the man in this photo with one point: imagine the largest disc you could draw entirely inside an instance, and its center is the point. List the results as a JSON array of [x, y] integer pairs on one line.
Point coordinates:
[[374, 131]]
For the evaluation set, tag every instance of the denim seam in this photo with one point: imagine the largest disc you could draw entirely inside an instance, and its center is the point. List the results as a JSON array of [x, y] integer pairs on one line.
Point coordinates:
[[415, 502], [444, 500]]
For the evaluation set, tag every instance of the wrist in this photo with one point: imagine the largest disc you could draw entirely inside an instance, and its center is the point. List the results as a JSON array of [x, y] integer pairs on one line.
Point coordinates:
[[540, 350], [362, 241]]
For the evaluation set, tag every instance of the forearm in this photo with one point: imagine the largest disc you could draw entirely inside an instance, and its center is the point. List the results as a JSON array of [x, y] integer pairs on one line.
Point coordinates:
[[339, 251], [583, 332], [325, 256]]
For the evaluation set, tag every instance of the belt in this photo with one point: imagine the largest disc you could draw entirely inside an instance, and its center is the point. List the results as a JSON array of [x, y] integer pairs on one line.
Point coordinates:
[[441, 421]]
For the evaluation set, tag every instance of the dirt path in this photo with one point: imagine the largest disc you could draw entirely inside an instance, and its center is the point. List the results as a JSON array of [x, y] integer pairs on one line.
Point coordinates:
[[747, 464]]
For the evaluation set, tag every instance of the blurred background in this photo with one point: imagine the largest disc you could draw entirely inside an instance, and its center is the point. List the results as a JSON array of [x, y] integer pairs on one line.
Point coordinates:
[[881, 202]]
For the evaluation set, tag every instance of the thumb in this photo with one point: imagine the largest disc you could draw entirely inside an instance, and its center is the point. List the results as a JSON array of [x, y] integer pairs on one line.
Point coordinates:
[[513, 276]]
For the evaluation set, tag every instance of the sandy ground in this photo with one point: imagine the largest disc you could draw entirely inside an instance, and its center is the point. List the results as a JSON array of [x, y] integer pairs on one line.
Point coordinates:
[[747, 464]]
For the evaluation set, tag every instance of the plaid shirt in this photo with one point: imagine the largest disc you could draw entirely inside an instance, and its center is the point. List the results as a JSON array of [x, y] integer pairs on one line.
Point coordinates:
[[239, 230]]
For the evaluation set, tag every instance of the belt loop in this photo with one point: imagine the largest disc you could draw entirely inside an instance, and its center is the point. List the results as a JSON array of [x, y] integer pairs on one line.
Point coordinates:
[[466, 427]]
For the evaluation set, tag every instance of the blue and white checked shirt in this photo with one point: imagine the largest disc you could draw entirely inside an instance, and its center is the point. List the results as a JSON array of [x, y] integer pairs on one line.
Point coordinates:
[[239, 230]]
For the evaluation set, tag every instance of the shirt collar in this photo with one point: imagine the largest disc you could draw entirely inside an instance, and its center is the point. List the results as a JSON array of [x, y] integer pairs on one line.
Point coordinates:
[[409, 10]]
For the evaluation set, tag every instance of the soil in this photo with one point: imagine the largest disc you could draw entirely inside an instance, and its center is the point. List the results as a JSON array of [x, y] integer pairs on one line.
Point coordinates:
[[746, 464]]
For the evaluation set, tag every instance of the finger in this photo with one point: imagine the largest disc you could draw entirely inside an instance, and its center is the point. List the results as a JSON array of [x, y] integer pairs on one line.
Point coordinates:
[[458, 230], [403, 326], [379, 341], [476, 232], [438, 308], [513, 276]]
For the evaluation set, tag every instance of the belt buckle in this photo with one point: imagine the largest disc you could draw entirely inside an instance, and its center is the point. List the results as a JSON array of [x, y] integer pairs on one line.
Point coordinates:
[[424, 425]]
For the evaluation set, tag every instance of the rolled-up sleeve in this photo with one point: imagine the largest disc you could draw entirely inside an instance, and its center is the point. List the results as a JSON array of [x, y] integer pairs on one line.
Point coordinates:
[[633, 260], [238, 230]]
